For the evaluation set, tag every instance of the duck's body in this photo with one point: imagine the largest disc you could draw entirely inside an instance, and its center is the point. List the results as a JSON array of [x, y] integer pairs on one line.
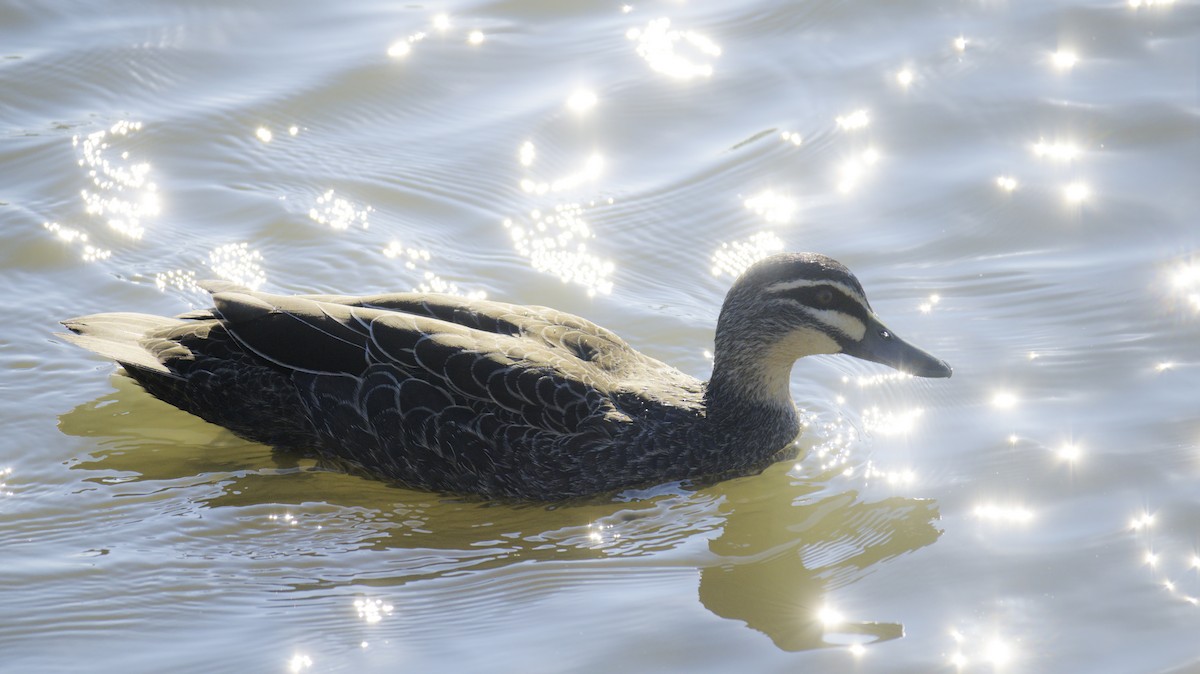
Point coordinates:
[[465, 396]]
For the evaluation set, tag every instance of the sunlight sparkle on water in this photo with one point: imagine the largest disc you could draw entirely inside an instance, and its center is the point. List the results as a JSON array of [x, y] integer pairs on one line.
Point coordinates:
[[1136, 4], [1006, 514], [590, 172], [1069, 452], [339, 213], [1004, 400], [88, 252], [660, 47], [402, 48], [264, 134], [299, 663], [735, 257], [960, 43], [830, 617], [928, 305], [372, 610], [792, 137], [123, 195], [179, 279], [993, 650], [890, 423], [998, 652], [1064, 59], [475, 37], [582, 100], [1186, 282], [1143, 521], [1064, 151], [238, 263], [1007, 183], [417, 259], [852, 171], [772, 206], [905, 77], [853, 121], [556, 243], [527, 154], [1076, 192], [866, 381], [441, 22]]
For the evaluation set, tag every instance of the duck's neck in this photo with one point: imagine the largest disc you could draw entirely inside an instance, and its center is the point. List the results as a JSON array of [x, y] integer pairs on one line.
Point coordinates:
[[748, 400]]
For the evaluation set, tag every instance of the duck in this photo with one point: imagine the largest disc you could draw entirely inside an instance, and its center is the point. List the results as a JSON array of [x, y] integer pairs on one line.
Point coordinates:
[[448, 394]]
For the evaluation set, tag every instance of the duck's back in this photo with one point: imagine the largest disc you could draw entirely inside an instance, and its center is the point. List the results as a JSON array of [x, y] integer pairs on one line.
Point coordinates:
[[434, 391]]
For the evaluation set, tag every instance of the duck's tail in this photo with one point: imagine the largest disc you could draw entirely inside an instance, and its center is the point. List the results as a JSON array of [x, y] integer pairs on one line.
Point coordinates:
[[121, 337]]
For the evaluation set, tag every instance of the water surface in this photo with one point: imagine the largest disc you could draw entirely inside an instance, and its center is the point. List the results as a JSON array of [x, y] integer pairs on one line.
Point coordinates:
[[1013, 182]]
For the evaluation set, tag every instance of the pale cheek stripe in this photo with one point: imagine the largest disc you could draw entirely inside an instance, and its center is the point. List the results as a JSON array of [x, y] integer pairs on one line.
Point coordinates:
[[842, 322]]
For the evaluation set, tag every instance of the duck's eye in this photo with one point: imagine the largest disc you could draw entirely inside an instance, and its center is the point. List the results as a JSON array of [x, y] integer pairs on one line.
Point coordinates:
[[885, 334], [824, 297]]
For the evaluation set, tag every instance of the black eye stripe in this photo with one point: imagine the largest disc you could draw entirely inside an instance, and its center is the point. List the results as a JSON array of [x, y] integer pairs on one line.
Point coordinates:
[[810, 296]]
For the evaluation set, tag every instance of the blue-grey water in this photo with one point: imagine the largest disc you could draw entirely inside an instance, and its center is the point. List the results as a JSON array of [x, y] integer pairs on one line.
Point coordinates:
[[1017, 185]]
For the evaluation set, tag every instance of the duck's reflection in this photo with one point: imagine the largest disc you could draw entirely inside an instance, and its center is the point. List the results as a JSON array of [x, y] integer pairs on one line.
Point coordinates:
[[768, 548]]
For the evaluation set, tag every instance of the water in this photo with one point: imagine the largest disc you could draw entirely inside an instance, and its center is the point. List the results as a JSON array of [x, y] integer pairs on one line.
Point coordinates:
[[1036, 513]]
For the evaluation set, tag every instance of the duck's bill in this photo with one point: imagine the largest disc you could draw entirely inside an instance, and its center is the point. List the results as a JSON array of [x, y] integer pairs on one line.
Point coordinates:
[[881, 345]]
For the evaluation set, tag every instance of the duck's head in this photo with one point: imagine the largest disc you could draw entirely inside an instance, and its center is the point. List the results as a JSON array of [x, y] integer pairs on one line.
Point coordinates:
[[792, 305]]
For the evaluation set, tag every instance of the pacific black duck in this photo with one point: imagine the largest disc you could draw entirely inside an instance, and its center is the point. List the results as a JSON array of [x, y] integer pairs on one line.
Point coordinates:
[[467, 396]]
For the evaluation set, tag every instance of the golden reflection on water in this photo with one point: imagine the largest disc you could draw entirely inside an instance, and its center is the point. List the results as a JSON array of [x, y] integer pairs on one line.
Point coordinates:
[[660, 46]]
